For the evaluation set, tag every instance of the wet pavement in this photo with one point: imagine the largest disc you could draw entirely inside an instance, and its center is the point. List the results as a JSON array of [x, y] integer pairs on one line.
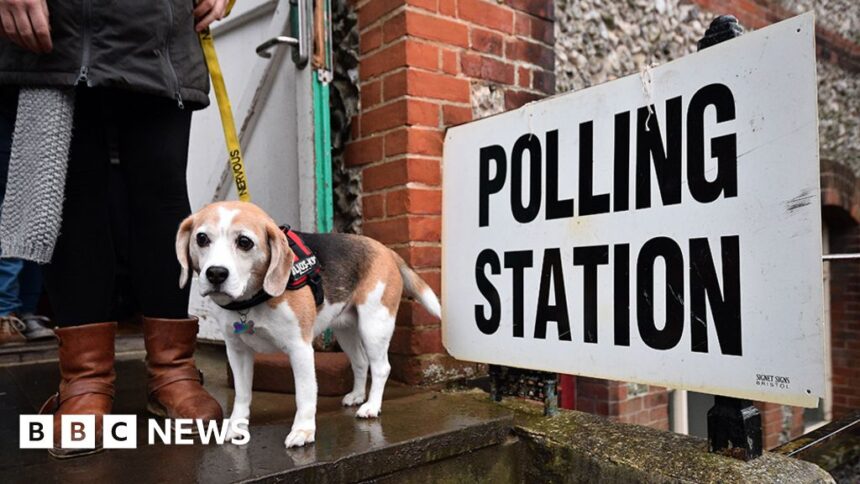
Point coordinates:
[[416, 427]]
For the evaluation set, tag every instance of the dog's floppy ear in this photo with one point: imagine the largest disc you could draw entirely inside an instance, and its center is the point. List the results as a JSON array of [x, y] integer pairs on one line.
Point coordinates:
[[183, 238], [280, 261]]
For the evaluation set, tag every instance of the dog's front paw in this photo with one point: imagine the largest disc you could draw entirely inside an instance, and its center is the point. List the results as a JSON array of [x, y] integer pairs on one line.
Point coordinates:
[[299, 437], [353, 398], [368, 410]]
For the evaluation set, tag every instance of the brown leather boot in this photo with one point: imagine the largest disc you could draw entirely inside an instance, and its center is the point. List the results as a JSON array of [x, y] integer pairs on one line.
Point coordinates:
[[86, 380], [175, 384]]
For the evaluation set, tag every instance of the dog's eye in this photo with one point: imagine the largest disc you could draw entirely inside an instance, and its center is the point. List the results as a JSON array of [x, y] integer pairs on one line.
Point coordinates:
[[202, 240], [244, 243]]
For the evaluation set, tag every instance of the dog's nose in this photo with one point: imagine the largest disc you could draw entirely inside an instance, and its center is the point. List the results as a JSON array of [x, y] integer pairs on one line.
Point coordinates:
[[217, 274]]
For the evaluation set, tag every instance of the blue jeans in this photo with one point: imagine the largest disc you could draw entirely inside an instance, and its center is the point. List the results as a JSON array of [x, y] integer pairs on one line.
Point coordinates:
[[20, 286], [20, 281]]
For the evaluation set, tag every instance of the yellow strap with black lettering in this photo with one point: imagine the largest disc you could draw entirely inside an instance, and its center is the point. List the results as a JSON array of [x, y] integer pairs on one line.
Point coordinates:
[[237, 164]]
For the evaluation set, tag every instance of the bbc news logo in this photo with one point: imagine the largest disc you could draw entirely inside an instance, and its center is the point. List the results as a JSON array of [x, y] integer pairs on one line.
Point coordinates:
[[120, 431]]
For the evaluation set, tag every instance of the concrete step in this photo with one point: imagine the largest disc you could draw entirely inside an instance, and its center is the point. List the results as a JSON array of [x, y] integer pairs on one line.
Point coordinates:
[[417, 430]]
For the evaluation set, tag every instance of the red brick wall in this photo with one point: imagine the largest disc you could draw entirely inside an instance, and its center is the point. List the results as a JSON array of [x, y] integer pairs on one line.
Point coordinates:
[[778, 429], [623, 402], [845, 322], [418, 61], [840, 193]]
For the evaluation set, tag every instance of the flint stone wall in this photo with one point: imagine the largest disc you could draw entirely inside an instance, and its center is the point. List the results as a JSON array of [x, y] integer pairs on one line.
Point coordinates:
[[840, 16], [601, 40]]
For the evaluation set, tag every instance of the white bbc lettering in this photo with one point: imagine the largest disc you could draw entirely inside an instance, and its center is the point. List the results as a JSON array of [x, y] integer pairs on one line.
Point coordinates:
[[239, 426], [120, 431], [162, 432], [183, 430], [211, 430], [36, 431]]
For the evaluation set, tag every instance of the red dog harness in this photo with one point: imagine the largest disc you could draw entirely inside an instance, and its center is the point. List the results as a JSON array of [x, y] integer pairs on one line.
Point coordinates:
[[306, 266]]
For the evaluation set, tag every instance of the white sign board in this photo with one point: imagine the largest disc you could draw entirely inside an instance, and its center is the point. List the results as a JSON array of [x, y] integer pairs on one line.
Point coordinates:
[[678, 246]]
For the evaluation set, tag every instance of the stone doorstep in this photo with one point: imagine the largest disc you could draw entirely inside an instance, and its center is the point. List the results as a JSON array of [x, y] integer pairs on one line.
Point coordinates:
[[273, 373]]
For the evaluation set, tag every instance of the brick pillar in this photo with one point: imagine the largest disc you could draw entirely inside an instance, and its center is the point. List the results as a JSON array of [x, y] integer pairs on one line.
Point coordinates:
[[419, 60]]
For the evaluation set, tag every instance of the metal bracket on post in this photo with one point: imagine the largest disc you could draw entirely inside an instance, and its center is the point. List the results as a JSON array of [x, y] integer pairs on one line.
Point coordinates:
[[734, 428], [734, 425], [530, 384], [495, 372], [550, 395]]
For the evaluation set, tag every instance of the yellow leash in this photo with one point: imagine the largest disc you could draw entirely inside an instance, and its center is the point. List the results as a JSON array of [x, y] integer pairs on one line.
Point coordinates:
[[236, 161]]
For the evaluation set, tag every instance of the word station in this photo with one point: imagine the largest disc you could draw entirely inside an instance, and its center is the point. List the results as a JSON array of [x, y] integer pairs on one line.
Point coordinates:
[[700, 273]]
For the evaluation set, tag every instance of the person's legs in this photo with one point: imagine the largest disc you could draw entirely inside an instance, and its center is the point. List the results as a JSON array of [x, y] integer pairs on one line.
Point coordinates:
[[80, 277], [153, 150], [30, 290], [10, 288], [30, 286]]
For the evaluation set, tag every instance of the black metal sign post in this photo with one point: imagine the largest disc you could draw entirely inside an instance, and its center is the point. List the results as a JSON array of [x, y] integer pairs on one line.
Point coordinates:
[[734, 425], [734, 428]]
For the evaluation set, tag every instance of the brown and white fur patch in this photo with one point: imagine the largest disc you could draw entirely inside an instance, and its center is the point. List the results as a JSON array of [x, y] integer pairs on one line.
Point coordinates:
[[237, 249]]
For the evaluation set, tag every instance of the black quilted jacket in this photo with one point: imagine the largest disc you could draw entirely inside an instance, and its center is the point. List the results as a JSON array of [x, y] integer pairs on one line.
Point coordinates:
[[147, 46]]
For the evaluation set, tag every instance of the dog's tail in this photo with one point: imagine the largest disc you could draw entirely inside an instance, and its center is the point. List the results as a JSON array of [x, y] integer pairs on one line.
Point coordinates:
[[415, 287]]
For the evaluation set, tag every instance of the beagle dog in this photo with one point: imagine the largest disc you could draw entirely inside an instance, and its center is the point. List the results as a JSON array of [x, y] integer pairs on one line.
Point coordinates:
[[237, 250]]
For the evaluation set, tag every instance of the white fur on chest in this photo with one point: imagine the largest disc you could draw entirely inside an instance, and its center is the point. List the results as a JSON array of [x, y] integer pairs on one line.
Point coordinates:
[[273, 328]]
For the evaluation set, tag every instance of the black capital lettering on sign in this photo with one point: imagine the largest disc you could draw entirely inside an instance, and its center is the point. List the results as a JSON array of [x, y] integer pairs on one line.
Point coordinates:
[[555, 208], [668, 337], [552, 274], [589, 258], [526, 213], [723, 148], [78, 431], [725, 305], [114, 434], [667, 163], [621, 168], [487, 185], [37, 431], [621, 283], [488, 324], [518, 261], [589, 203]]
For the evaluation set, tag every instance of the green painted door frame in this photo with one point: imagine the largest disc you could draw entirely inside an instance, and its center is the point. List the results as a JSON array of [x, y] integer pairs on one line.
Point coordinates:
[[322, 140], [322, 131]]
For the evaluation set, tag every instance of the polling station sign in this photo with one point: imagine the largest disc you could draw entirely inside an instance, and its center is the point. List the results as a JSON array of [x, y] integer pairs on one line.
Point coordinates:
[[663, 228]]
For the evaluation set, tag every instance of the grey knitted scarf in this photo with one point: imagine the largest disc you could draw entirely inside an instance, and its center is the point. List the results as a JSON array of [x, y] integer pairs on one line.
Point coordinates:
[[33, 207]]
